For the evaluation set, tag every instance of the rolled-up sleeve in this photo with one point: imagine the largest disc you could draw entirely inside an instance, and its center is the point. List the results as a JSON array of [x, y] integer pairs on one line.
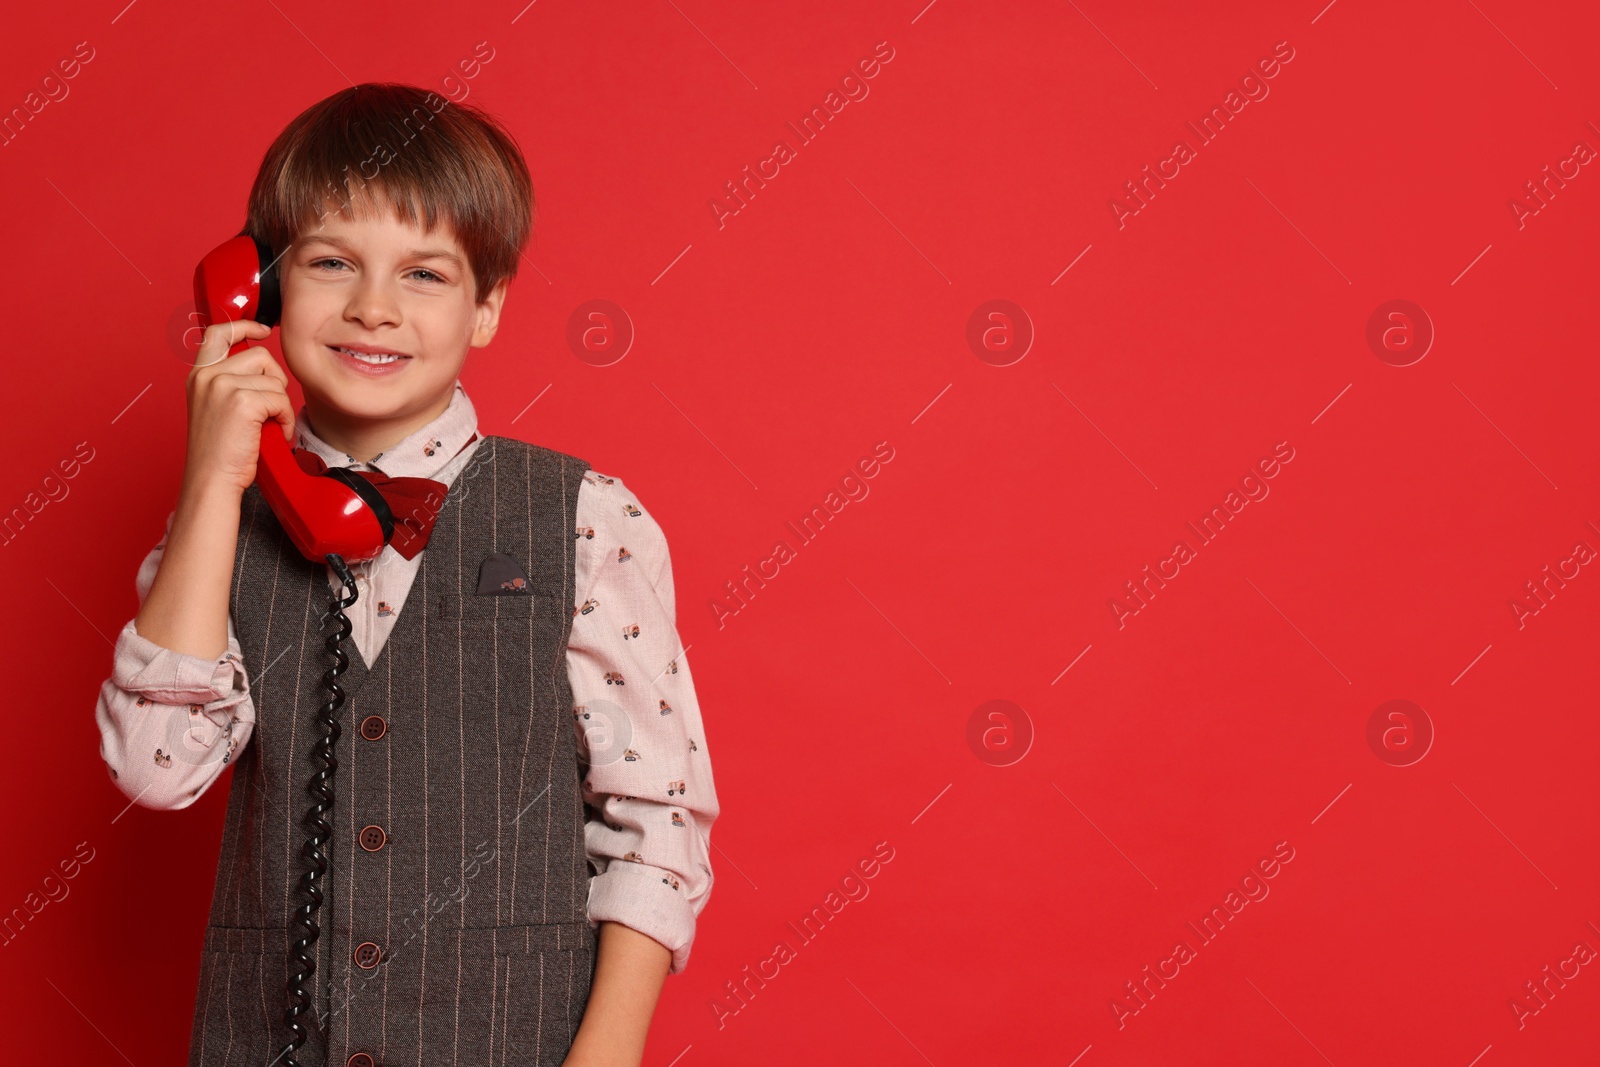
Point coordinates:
[[648, 787], [170, 723]]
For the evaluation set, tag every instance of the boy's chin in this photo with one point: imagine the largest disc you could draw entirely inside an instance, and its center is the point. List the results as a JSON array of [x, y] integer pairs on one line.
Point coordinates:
[[374, 401]]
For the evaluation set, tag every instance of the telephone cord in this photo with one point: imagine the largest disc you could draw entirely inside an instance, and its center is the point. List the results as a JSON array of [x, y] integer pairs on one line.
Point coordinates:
[[321, 790]]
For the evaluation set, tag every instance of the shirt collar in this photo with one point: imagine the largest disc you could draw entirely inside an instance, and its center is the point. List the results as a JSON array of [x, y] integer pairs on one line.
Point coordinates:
[[421, 455]]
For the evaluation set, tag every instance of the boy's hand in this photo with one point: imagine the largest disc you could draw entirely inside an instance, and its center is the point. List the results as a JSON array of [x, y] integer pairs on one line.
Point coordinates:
[[230, 398]]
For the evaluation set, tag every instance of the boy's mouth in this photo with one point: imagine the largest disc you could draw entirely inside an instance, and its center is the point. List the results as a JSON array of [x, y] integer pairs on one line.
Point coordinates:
[[369, 360]]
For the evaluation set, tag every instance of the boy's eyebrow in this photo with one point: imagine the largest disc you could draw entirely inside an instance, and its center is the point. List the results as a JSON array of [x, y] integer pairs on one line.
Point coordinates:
[[411, 253]]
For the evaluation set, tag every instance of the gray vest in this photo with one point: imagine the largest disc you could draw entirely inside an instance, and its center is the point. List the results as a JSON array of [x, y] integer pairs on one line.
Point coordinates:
[[454, 922]]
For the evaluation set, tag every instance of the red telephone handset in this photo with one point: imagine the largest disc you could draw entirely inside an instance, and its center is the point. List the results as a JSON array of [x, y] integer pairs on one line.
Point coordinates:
[[334, 512], [336, 517]]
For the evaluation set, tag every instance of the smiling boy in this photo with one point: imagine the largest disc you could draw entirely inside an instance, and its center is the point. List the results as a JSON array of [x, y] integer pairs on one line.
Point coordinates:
[[521, 831]]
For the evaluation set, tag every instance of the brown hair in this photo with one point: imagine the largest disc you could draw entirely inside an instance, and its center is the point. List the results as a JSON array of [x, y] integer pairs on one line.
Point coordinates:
[[416, 150]]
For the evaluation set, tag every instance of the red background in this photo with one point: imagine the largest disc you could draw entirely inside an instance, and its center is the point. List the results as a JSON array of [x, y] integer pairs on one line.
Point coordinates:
[[829, 314]]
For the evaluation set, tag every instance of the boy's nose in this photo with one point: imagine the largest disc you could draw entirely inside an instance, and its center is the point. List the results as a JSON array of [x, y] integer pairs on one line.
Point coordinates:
[[373, 305]]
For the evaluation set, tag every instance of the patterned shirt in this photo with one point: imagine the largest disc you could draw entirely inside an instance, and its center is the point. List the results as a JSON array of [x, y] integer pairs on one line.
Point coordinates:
[[631, 686]]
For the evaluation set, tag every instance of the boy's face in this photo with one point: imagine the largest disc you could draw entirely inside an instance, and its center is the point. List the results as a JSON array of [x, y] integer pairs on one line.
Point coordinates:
[[375, 282]]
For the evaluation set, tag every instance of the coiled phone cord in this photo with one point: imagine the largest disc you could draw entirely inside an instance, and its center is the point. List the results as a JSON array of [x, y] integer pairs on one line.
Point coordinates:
[[321, 789]]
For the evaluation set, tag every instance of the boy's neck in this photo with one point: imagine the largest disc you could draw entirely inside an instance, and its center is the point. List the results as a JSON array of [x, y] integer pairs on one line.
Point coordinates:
[[362, 439]]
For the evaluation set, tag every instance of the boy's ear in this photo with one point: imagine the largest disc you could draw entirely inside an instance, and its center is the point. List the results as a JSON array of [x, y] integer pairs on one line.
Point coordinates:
[[488, 315]]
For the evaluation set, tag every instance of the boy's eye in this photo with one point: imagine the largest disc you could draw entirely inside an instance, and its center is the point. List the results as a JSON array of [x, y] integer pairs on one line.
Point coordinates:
[[337, 266]]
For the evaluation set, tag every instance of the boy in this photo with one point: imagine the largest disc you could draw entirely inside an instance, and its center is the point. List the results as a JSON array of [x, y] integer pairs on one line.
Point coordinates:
[[519, 846]]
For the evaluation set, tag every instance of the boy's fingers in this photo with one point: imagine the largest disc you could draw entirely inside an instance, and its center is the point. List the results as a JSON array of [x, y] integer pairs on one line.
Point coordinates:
[[220, 336], [259, 383], [283, 411], [247, 372], [268, 367], [254, 362], [265, 395]]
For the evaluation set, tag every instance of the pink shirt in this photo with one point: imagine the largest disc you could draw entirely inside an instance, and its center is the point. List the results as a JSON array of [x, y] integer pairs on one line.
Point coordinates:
[[652, 856]]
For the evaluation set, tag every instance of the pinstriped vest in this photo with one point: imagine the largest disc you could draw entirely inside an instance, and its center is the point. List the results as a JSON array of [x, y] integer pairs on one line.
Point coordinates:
[[454, 922]]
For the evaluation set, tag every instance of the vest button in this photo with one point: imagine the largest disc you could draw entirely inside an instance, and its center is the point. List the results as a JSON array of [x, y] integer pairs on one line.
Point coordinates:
[[359, 1059], [372, 838], [373, 727], [368, 955]]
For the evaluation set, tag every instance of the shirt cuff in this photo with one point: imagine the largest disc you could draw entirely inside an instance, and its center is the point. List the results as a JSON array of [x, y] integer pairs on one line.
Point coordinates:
[[168, 677], [636, 895]]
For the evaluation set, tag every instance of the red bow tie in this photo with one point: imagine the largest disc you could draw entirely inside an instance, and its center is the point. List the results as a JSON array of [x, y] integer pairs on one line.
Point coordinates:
[[414, 502]]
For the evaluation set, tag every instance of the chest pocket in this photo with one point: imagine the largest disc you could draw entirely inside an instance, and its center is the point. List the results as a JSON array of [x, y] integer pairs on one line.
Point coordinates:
[[495, 605], [501, 656]]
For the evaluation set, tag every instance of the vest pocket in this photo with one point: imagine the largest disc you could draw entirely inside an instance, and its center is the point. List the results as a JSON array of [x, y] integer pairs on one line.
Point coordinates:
[[528, 985], [240, 1000], [253, 940], [525, 939], [495, 606]]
